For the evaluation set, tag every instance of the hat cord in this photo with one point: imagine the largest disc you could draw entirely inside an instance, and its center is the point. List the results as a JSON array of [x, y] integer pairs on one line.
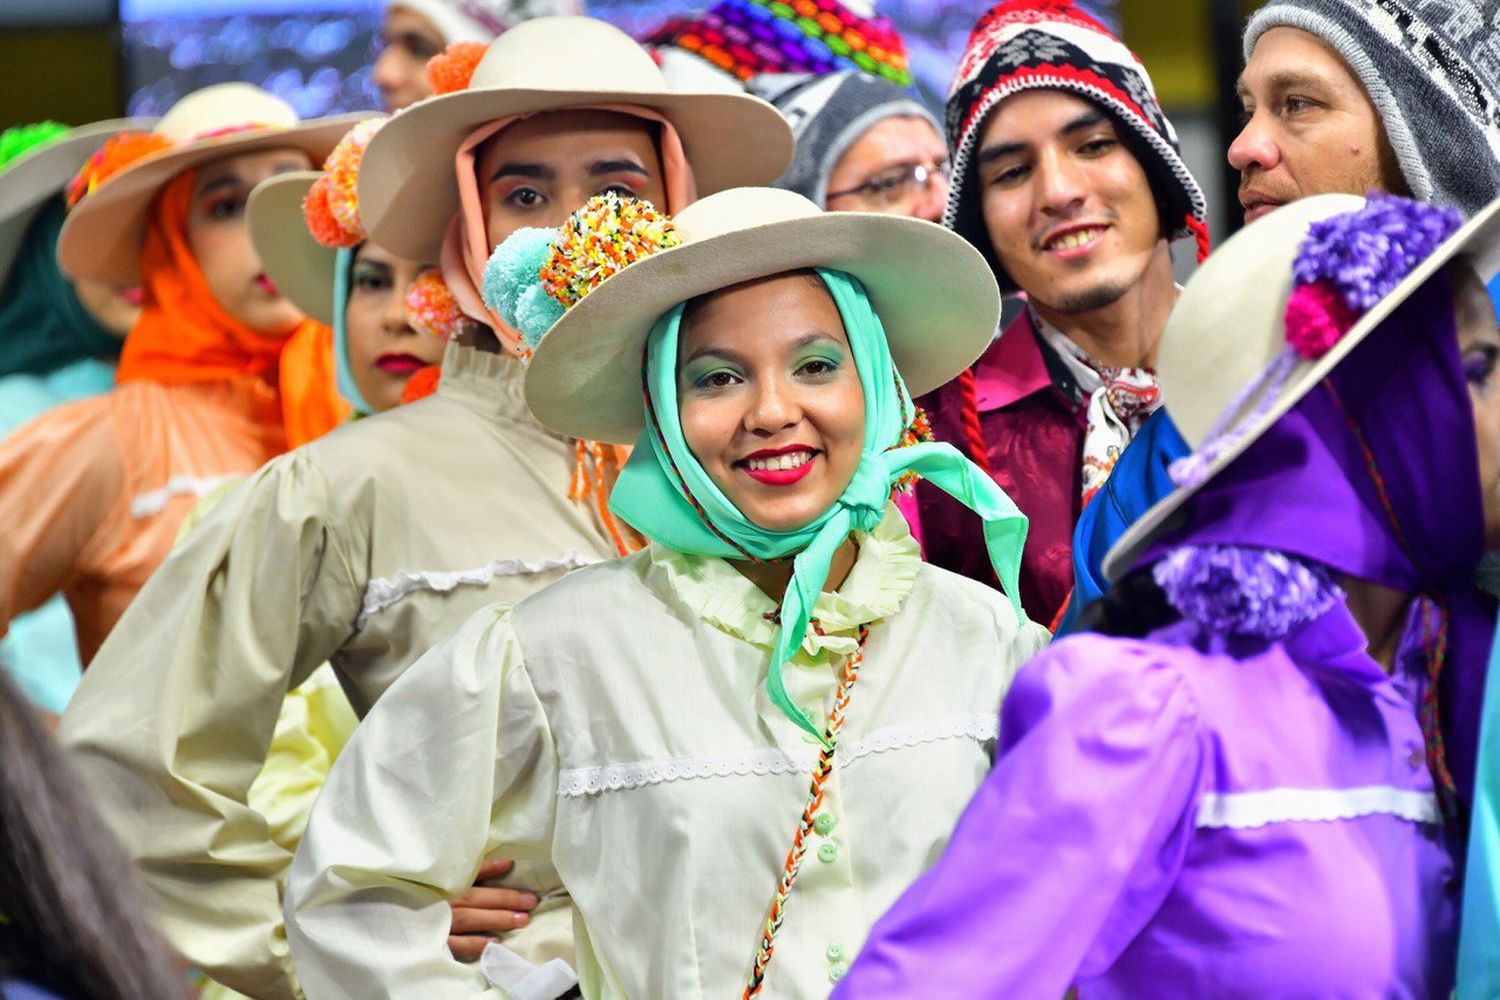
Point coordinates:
[[800, 839]]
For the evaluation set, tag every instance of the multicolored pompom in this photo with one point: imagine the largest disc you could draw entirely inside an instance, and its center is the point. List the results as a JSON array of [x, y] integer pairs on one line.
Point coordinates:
[[537, 274], [606, 235], [120, 152], [331, 207], [431, 307], [24, 138], [452, 69], [342, 170]]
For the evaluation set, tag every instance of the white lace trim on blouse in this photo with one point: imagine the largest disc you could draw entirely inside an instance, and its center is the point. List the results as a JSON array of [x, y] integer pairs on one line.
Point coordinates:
[[386, 591], [1247, 810], [583, 781], [152, 502]]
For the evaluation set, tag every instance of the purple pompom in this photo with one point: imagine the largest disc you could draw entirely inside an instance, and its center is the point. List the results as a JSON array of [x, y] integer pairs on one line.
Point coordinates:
[[1366, 253], [1230, 590]]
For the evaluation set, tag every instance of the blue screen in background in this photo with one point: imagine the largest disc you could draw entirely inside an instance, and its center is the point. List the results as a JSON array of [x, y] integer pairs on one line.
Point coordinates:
[[317, 53]]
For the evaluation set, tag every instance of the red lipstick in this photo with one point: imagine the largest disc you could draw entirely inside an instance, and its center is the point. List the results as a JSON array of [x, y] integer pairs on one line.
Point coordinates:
[[779, 466], [399, 363]]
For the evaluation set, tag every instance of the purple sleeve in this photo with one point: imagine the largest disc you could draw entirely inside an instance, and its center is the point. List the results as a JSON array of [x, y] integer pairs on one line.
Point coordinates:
[[1069, 846]]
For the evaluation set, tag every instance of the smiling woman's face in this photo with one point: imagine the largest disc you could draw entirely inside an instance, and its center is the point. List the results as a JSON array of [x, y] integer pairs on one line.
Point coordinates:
[[769, 397]]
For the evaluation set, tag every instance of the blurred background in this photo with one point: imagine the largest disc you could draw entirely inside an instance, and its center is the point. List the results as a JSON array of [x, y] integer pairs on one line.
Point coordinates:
[[84, 60]]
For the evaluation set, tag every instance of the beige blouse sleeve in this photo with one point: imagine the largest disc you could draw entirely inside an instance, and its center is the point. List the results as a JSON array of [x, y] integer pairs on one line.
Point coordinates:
[[174, 717], [454, 763]]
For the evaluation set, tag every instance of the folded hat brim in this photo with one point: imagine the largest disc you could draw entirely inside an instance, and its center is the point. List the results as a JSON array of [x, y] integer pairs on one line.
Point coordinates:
[[1477, 243], [301, 268], [103, 235], [408, 192], [27, 182], [936, 299]]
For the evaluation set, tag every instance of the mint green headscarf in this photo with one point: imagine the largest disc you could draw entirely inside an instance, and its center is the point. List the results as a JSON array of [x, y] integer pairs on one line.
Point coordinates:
[[667, 496]]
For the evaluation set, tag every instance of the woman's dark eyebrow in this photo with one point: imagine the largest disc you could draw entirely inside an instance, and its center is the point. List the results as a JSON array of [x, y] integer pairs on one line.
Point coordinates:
[[219, 183], [600, 167], [535, 171]]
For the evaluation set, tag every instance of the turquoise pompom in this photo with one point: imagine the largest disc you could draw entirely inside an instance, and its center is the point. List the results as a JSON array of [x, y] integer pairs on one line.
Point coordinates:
[[512, 283]]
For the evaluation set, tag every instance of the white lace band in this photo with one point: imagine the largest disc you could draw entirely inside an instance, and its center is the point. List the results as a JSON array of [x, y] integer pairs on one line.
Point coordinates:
[[1247, 810], [386, 591], [581, 781], [144, 505]]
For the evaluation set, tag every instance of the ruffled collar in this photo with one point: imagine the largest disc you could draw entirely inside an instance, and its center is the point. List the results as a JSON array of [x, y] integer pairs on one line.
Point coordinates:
[[876, 587]]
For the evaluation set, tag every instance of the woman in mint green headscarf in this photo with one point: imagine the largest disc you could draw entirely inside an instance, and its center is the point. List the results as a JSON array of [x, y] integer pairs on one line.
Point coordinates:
[[748, 737], [58, 342]]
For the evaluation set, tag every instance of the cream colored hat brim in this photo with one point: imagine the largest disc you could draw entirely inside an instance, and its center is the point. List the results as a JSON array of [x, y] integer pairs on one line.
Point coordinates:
[[103, 235], [44, 172], [1204, 361], [933, 292], [301, 267], [407, 188]]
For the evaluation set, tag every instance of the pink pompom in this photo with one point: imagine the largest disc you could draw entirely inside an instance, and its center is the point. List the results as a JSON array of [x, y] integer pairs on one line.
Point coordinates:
[[1317, 317], [431, 307]]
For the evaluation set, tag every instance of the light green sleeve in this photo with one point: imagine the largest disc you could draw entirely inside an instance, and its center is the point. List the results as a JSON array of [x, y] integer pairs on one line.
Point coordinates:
[[454, 764], [175, 716]]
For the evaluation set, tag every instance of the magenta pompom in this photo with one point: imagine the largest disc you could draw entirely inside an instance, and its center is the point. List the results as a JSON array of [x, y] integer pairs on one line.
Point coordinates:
[[1317, 317]]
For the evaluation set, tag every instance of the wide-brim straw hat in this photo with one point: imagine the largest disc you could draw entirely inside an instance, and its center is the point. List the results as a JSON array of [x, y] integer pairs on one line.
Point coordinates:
[[104, 232], [935, 296], [39, 174], [1229, 325], [301, 268], [408, 191]]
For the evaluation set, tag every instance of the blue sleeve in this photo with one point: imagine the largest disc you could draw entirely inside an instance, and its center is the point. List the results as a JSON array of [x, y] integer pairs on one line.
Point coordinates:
[[1478, 965], [1138, 481]]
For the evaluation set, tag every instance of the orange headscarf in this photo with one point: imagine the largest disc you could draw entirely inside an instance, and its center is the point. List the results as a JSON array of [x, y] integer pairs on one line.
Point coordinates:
[[185, 336]]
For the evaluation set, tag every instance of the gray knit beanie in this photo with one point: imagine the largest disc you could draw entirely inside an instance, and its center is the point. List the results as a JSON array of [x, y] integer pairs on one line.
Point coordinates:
[[828, 114], [1431, 72]]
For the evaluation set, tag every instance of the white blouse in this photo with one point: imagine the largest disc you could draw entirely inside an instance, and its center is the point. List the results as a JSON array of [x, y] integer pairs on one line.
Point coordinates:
[[617, 722]]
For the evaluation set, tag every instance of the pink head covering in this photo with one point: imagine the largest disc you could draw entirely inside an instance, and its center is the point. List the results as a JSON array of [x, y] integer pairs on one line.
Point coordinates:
[[466, 246]]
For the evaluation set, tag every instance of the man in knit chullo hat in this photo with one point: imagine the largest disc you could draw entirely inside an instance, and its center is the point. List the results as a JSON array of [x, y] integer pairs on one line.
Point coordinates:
[[1349, 96], [1067, 177], [1334, 104]]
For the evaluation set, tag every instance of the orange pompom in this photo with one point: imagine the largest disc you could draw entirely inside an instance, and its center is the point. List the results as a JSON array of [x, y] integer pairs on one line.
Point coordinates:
[[320, 219], [423, 383], [113, 157], [342, 171], [431, 307], [453, 68]]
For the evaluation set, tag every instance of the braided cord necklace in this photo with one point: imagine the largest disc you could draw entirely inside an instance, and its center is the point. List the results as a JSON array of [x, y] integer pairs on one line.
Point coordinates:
[[821, 772]]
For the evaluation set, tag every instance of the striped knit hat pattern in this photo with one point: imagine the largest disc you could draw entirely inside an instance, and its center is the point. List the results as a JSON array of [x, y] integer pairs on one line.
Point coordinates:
[[1053, 45], [744, 38]]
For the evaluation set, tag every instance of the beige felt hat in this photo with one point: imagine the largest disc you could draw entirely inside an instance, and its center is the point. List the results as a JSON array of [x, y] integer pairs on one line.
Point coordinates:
[[301, 267], [934, 293], [42, 173], [1229, 325], [407, 189], [102, 237]]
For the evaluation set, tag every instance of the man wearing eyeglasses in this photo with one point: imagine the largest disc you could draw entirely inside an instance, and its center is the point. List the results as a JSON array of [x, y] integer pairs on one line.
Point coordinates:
[[863, 144], [1068, 179]]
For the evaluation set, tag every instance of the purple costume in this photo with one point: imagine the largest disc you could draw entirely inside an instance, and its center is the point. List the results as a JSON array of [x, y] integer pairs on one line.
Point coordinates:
[[1202, 814]]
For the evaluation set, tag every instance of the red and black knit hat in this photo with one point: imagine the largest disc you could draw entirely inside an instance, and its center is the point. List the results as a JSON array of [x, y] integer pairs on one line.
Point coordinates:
[[1052, 44]]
